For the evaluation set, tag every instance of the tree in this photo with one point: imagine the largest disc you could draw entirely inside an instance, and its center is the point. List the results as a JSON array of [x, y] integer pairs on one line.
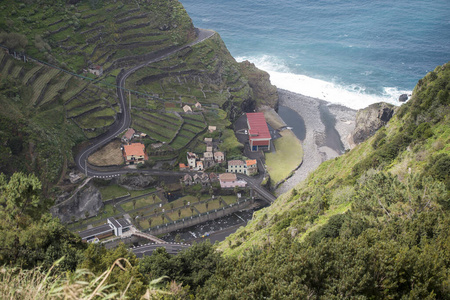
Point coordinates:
[[134, 203], [171, 205], [149, 222], [154, 198], [192, 210], [162, 217], [179, 213], [198, 196], [154, 211], [207, 204], [184, 202], [28, 233]]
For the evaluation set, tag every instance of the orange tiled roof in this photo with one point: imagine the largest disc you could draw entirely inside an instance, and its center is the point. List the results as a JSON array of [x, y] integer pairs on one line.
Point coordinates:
[[135, 149], [251, 162]]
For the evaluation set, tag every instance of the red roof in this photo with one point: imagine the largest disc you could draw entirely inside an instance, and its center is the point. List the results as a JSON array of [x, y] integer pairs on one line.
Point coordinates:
[[136, 149], [257, 126]]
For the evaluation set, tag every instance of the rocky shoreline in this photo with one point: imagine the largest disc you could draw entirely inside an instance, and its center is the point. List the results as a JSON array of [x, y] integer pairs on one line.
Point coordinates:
[[316, 147]]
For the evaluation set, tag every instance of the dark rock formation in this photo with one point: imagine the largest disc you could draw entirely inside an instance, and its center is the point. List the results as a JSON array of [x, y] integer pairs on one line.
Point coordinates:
[[136, 181], [370, 119], [403, 98], [264, 93], [86, 201]]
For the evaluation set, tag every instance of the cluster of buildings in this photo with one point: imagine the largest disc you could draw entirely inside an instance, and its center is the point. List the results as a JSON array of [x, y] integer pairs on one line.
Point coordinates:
[[209, 159], [226, 180]]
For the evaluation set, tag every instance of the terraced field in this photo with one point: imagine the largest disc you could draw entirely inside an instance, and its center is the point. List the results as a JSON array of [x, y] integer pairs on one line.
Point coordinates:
[[91, 107], [162, 127], [107, 33]]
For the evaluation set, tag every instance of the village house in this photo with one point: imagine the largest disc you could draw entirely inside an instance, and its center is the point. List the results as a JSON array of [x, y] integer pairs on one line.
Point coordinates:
[[198, 105], [196, 179], [237, 166], [212, 128], [208, 156], [219, 157], [134, 153], [209, 148], [252, 167], [128, 135], [96, 70], [191, 159], [229, 180], [199, 166], [187, 179], [208, 140], [258, 132], [183, 167], [187, 109], [205, 179]]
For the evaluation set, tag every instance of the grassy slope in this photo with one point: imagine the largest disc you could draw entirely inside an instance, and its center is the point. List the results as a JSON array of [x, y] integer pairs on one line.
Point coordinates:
[[403, 147]]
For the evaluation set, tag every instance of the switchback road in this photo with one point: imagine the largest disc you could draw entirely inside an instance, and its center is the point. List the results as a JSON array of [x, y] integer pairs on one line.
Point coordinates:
[[124, 121]]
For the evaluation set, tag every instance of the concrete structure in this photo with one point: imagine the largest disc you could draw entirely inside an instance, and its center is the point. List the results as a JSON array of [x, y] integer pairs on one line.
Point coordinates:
[[229, 180], [258, 132], [219, 157], [134, 153], [128, 135], [113, 227], [252, 167]]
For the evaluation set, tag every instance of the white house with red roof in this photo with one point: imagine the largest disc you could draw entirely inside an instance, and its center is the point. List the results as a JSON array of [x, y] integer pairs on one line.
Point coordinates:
[[258, 132]]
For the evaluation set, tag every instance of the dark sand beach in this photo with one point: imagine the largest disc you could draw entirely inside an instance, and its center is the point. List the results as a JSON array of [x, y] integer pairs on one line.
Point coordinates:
[[328, 128]]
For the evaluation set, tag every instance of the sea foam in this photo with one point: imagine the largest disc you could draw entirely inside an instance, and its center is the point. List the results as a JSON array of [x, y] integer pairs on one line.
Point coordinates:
[[353, 96]]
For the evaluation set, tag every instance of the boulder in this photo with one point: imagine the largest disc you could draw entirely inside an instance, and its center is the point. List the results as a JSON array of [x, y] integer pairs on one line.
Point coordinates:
[[403, 98], [85, 201], [370, 119]]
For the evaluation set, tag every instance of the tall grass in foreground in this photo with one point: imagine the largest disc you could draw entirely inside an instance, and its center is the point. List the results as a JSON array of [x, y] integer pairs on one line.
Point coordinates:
[[34, 284]]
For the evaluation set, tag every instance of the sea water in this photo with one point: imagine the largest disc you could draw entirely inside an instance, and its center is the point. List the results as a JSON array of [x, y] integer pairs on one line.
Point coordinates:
[[344, 51]]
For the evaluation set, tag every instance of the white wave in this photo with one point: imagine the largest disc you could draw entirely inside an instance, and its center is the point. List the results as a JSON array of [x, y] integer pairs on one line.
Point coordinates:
[[353, 96]]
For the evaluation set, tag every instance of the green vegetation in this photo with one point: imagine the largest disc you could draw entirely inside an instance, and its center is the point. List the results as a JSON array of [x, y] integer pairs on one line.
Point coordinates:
[[286, 159]]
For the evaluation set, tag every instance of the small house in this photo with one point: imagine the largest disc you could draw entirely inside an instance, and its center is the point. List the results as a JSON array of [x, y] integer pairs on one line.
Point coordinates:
[[199, 166], [208, 156], [219, 157], [187, 109], [252, 167], [229, 180], [134, 153], [212, 128], [183, 167], [237, 166], [198, 105], [128, 135], [191, 159], [187, 179], [96, 70]]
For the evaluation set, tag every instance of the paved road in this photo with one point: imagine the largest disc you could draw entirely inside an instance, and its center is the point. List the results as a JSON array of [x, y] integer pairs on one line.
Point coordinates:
[[124, 118], [171, 248], [124, 121]]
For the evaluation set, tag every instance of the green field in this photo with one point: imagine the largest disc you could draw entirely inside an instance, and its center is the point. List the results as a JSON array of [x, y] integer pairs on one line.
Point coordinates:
[[288, 156]]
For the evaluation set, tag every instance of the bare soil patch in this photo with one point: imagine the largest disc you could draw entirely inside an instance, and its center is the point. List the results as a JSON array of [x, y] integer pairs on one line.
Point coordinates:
[[108, 155]]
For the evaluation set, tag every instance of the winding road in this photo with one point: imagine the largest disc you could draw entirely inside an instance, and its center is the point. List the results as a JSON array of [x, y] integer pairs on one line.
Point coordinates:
[[123, 122]]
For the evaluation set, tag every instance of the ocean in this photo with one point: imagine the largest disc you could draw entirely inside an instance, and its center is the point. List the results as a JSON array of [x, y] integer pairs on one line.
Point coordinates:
[[351, 52]]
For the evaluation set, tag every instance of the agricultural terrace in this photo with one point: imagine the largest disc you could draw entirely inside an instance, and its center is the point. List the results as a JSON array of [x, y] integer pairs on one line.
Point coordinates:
[[110, 33], [201, 73]]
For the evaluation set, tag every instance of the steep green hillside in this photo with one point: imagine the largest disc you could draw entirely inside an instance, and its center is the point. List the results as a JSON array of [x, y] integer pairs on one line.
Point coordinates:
[[414, 146], [108, 33]]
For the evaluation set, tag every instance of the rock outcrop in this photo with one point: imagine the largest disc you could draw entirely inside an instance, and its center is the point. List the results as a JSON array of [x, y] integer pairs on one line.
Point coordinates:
[[136, 181], [86, 201], [264, 93], [370, 119]]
